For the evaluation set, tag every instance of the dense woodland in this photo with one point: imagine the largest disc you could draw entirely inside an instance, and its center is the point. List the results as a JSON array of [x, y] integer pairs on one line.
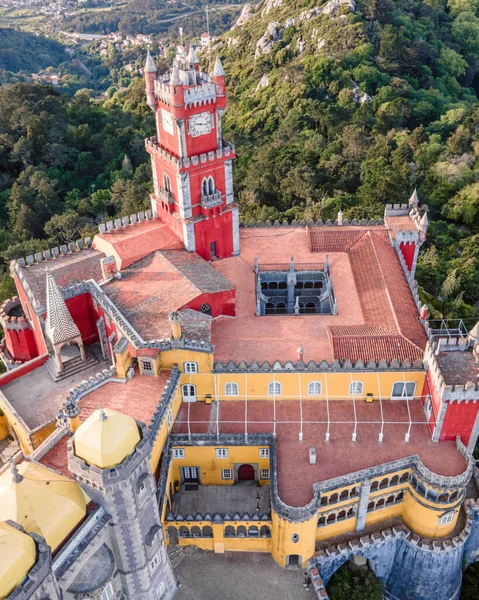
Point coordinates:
[[307, 147]]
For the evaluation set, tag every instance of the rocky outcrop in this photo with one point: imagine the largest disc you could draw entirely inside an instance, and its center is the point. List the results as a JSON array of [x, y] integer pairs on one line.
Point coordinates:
[[263, 82], [246, 14], [269, 5], [271, 35]]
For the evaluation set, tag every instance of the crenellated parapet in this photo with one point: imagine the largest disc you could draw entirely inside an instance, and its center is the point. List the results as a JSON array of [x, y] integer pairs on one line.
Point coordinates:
[[335, 366], [153, 147], [312, 223], [468, 392], [167, 396], [12, 317], [120, 223]]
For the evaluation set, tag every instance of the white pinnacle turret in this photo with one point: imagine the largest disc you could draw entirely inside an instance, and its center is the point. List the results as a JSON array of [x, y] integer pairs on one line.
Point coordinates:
[[192, 57], [175, 76], [218, 71], [424, 222], [150, 66], [413, 200]]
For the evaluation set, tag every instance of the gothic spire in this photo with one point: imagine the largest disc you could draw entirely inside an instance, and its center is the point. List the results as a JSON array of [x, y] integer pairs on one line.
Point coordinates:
[[150, 66], [218, 71], [59, 325]]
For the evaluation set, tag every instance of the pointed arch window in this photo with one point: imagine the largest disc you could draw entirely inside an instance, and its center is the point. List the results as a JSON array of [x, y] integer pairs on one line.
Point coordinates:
[[211, 186], [166, 183], [204, 187]]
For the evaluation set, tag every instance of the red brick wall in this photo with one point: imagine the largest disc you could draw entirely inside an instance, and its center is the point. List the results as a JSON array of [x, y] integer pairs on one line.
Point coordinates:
[[222, 303], [459, 420], [81, 310]]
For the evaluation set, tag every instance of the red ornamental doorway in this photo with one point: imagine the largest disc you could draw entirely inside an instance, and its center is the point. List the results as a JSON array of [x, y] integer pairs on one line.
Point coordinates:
[[246, 473]]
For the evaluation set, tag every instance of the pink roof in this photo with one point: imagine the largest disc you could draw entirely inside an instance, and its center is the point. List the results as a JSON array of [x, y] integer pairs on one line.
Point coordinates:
[[374, 299], [132, 243], [340, 455]]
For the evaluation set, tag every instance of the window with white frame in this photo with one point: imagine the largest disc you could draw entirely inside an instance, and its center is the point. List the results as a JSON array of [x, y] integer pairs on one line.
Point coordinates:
[[428, 407], [146, 365], [188, 392], [314, 388], [231, 389], [107, 592], [447, 518], [264, 452], [154, 562], [274, 389], [355, 388], [169, 418], [221, 452], [264, 474], [227, 474], [404, 389], [178, 453], [190, 367]]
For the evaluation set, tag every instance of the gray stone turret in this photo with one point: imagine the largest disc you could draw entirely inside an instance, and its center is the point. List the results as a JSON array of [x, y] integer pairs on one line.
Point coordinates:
[[127, 492], [40, 583]]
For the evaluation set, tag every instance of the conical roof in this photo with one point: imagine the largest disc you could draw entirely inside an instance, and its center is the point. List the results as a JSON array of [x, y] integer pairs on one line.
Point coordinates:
[[175, 76], [218, 71], [150, 66], [414, 200], [106, 438], [424, 222], [41, 501], [192, 57], [59, 325], [17, 557], [474, 333]]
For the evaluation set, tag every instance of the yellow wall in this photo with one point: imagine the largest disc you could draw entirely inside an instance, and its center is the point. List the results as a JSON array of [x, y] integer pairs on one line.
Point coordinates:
[[424, 520], [282, 539], [3, 428], [210, 467], [169, 358], [338, 528], [334, 385], [163, 432]]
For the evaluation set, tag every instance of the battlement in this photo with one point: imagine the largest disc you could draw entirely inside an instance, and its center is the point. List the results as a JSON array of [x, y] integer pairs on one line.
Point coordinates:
[[226, 151], [311, 366], [11, 315], [397, 210], [52, 254], [120, 223], [312, 223]]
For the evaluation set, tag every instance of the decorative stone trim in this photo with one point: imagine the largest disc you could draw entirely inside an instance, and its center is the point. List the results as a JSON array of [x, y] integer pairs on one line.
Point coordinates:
[[53, 253], [312, 223], [164, 405], [153, 147], [11, 321], [311, 366]]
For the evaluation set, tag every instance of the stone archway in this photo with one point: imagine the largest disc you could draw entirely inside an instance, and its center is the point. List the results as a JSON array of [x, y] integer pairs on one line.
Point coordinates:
[[68, 351], [246, 473]]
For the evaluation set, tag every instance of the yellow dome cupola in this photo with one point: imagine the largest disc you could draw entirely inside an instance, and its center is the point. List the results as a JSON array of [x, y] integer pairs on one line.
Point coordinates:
[[17, 557], [106, 438], [41, 501]]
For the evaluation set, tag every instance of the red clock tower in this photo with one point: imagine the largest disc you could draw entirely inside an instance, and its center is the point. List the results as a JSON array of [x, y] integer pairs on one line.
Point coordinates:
[[191, 162]]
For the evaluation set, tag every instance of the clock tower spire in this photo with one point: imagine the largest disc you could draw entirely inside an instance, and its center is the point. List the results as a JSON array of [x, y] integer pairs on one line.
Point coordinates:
[[191, 162]]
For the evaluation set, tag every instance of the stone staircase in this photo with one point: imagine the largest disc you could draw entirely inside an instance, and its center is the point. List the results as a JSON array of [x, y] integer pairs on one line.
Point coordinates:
[[72, 366]]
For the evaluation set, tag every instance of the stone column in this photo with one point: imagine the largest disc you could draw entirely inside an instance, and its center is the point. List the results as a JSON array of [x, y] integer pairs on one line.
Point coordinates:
[[363, 505]]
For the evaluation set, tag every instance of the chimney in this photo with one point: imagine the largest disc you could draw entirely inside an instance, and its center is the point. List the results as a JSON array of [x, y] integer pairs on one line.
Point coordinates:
[[175, 320], [340, 217], [300, 354]]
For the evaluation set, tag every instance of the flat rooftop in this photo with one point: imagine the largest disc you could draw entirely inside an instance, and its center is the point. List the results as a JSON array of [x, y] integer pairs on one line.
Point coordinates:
[[221, 499], [138, 398], [37, 398], [458, 368], [340, 455], [377, 315]]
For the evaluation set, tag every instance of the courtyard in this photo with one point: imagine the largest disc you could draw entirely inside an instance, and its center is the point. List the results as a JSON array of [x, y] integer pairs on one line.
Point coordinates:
[[235, 576]]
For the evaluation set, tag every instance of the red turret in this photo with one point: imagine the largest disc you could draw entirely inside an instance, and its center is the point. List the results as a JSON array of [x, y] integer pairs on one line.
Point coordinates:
[[192, 164]]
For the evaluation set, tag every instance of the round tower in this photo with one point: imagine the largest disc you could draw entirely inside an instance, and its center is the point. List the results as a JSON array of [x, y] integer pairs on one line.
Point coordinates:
[[110, 456]]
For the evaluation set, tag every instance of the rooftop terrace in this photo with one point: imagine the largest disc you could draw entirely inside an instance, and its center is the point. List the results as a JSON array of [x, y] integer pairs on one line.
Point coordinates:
[[374, 299], [458, 368], [339, 456]]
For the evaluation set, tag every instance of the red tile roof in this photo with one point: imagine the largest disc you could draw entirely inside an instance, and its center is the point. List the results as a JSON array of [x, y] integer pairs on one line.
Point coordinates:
[[160, 283], [403, 223], [132, 243], [341, 238]]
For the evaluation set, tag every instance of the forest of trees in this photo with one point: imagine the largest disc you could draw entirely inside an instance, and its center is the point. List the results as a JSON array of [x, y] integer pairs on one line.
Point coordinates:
[[21, 51], [307, 146]]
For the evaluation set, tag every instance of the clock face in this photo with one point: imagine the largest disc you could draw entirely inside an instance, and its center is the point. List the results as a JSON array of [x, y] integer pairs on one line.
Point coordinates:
[[167, 121], [200, 124]]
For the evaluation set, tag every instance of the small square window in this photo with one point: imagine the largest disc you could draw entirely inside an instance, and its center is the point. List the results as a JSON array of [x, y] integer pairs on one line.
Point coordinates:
[[190, 367], [146, 365], [142, 487], [264, 474], [221, 452], [179, 453], [226, 474], [264, 452], [169, 419], [154, 562]]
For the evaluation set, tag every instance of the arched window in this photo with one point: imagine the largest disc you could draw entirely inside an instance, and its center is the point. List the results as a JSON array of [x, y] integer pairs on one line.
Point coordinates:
[[274, 389], [403, 389], [211, 186], [314, 388], [204, 187], [355, 388], [167, 183], [205, 308], [188, 392], [190, 367], [231, 389]]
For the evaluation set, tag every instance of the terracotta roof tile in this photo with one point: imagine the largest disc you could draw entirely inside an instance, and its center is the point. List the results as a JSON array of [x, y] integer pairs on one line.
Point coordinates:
[[340, 239]]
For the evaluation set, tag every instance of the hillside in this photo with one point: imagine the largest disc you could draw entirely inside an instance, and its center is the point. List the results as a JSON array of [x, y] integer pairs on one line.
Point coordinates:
[[21, 51], [351, 105]]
